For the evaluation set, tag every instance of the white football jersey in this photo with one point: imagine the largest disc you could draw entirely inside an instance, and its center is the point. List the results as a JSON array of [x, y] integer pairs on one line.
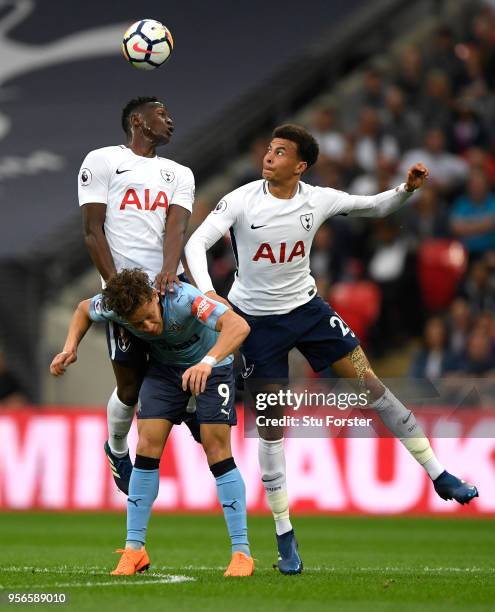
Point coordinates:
[[137, 192], [272, 239]]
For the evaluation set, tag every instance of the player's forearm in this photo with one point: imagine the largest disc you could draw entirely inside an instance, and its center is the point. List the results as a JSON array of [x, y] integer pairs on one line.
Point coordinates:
[[380, 205], [233, 331], [79, 325], [173, 242], [100, 253], [199, 243]]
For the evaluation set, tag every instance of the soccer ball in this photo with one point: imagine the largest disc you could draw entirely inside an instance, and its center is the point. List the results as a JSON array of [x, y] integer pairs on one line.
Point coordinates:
[[147, 44]]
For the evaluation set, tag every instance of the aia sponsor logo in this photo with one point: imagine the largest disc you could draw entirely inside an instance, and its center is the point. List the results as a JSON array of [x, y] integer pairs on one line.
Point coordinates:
[[280, 254], [202, 308], [145, 200]]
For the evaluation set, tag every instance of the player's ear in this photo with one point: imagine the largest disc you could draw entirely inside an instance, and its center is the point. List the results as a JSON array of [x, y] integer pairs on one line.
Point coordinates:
[[301, 167]]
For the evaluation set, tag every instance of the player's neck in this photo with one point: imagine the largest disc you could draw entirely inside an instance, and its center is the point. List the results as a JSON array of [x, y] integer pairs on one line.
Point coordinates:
[[283, 191], [143, 148]]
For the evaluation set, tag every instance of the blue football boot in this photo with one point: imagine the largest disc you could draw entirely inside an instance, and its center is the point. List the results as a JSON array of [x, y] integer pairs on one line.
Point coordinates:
[[289, 561], [121, 468], [449, 486]]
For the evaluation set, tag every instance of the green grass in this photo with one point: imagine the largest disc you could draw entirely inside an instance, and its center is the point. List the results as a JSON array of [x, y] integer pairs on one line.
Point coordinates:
[[393, 564]]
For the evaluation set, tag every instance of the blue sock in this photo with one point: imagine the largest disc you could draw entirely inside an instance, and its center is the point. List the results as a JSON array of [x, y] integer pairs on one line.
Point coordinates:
[[231, 493], [143, 490]]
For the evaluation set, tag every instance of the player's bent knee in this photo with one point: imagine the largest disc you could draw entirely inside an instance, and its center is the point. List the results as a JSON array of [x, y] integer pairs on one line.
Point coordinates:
[[128, 394]]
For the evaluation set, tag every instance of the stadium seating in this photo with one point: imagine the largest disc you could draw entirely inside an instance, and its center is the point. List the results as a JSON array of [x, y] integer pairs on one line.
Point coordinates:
[[358, 303], [441, 266]]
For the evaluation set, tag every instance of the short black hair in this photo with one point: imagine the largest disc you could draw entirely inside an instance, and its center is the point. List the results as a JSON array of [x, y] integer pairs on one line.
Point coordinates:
[[307, 147], [130, 107]]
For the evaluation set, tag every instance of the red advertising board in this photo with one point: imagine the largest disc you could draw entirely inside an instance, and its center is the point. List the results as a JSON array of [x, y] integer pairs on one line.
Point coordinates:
[[53, 459]]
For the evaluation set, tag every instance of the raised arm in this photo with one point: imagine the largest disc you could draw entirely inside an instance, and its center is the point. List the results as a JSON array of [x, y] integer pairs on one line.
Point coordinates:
[[385, 203], [216, 225], [178, 214], [173, 244], [96, 242], [79, 325]]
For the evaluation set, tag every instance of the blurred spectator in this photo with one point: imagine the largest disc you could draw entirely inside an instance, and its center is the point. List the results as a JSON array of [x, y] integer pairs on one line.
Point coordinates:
[[401, 122], [371, 141], [11, 392], [479, 288], [253, 165], [410, 75], [328, 254], [479, 357], [460, 323], [370, 94], [426, 217], [435, 106], [329, 137], [467, 128], [482, 160], [349, 167], [473, 215], [482, 35], [388, 267], [380, 180], [442, 56], [434, 358], [447, 171]]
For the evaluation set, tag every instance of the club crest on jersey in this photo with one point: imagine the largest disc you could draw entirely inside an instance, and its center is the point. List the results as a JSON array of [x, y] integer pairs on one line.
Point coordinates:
[[202, 308], [86, 177], [307, 221], [247, 371], [220, 207], [174, 326], [167, 175], [98, 305], [123, 341]]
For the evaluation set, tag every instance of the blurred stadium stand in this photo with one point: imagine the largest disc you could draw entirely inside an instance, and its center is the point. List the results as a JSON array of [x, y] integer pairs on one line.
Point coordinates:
[[346, 59]]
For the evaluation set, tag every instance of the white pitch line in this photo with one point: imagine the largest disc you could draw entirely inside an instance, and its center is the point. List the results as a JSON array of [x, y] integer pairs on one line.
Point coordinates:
[[169, 579]]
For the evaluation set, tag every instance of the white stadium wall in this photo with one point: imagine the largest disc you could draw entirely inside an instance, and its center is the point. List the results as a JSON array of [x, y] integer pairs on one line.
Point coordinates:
[[53, 460]]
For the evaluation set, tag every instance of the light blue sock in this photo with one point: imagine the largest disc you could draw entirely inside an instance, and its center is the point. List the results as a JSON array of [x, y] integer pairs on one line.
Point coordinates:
[[231, 493], [143, 489]]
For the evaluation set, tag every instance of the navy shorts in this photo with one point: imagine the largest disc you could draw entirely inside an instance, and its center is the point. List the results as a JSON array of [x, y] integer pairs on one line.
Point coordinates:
[[123, 346], [162, 397], [315, 329]]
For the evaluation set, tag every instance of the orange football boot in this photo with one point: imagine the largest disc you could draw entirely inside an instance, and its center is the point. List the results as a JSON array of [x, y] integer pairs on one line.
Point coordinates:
[[131, 562], [240, 565]]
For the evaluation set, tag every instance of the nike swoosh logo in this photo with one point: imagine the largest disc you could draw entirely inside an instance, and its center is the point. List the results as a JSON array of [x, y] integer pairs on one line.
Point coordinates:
[[271, 479], [121, 171], [257, 226], [407, 418], [136, 47]]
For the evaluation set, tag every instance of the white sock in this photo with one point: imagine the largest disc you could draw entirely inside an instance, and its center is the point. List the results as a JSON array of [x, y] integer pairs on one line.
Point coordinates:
[[402, 423], [272, 465], [119, 419]]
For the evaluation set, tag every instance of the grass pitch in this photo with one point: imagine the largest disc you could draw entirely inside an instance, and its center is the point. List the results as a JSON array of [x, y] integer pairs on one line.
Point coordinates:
[[392, 564]]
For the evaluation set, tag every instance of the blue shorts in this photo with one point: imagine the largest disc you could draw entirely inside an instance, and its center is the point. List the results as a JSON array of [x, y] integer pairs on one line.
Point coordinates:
[[162, 397], [315, 329], [124, 347]]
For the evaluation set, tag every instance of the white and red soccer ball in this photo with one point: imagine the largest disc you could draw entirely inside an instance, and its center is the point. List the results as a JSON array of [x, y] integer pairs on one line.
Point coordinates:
[[147, 44]]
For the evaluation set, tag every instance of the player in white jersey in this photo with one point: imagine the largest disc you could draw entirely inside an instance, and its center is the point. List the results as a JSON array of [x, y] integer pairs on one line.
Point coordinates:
[[135, 207], [272, 224]]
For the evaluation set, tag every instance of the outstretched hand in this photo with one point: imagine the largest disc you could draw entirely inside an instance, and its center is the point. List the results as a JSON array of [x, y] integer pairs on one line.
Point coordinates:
[[416, 176], [164, 281], [61, 362]]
